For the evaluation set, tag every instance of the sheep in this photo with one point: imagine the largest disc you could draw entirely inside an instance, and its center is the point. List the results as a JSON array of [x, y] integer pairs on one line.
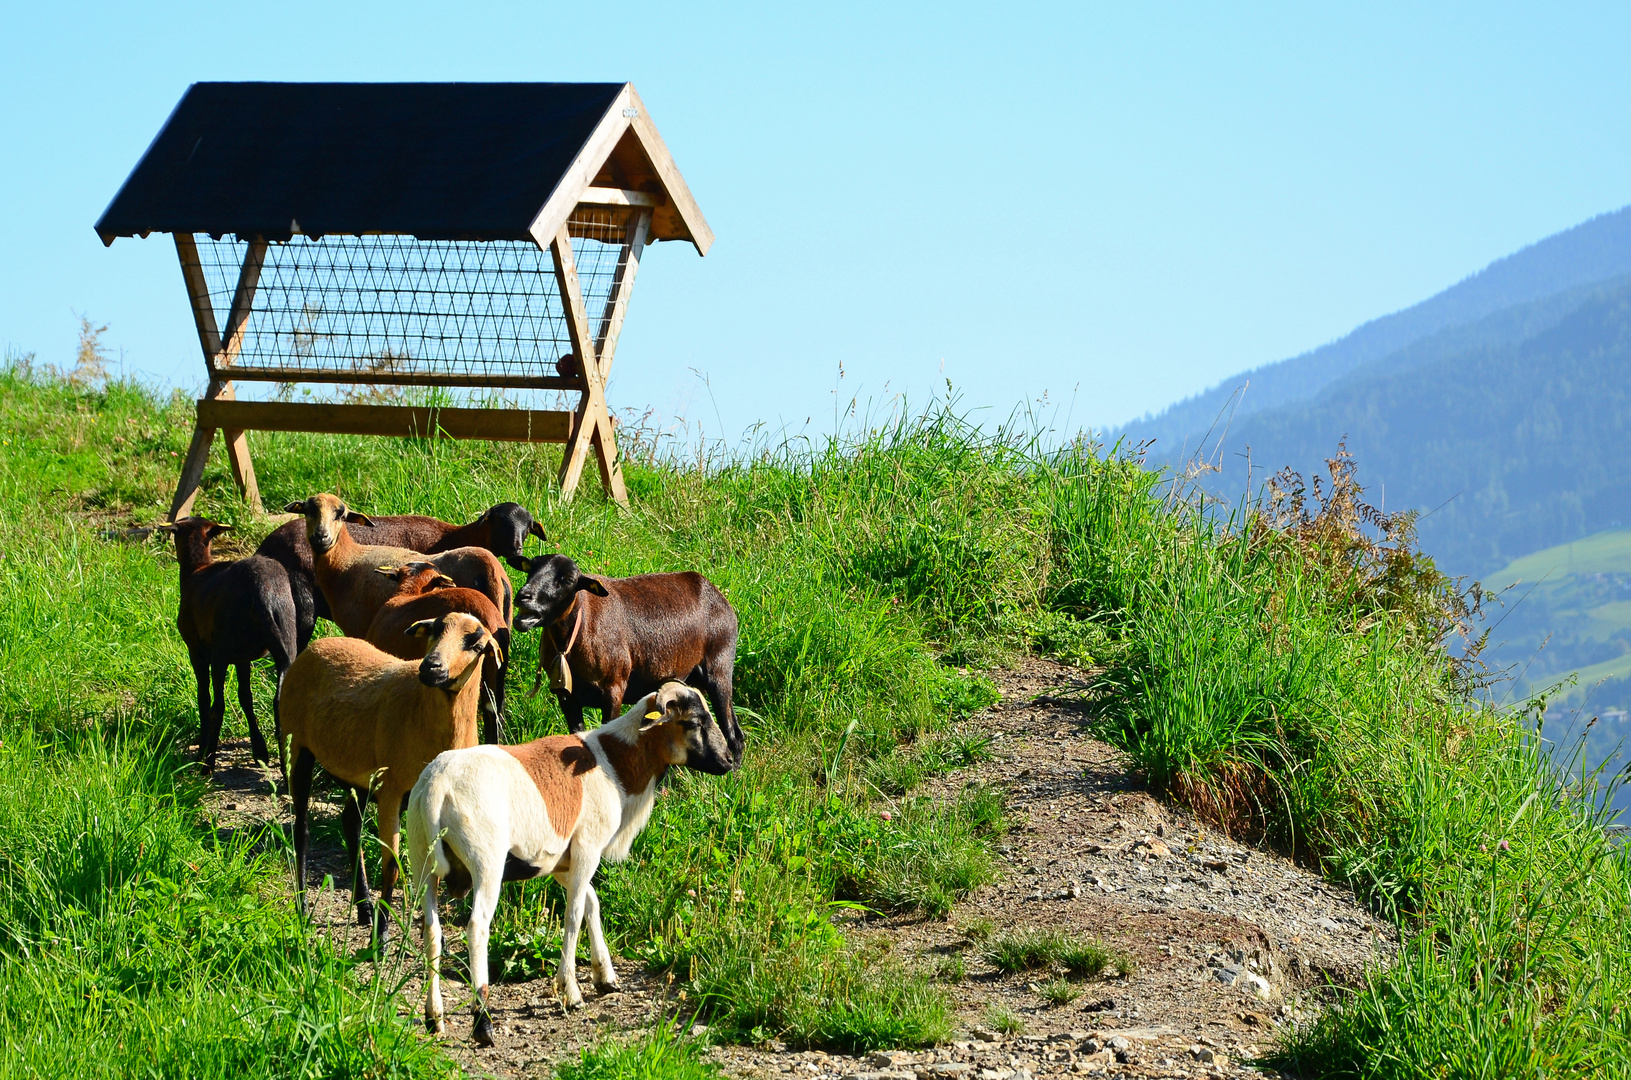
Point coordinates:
[[615, 638], [231, 614], [423, 592], [559, 806], [344, 568], [502, 529], [367, 717]]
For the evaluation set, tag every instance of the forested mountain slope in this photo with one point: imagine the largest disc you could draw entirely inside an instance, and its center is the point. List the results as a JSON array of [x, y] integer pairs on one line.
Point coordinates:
[[1593, 251]]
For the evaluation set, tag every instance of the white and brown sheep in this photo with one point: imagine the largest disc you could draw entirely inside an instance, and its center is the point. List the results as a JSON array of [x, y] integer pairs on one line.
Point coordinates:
[[557, 806], [370, 719]]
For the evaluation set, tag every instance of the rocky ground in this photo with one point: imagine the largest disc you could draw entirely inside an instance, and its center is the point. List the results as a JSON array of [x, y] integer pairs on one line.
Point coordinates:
[[1227, 942]]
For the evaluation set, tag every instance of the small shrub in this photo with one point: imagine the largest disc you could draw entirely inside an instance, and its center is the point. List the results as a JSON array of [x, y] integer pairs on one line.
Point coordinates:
[[1060, 992], [1003, 1019]]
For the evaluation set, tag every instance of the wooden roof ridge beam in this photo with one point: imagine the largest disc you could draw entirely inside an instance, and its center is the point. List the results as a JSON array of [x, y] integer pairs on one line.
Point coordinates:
[[627, 113]]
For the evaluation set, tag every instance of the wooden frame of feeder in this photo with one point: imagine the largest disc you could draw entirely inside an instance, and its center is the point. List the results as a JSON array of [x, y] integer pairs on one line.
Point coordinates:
[[623, 144]]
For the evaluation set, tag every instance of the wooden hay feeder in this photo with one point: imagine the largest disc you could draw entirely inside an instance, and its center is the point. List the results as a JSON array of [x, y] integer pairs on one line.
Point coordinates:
[[481, 236]]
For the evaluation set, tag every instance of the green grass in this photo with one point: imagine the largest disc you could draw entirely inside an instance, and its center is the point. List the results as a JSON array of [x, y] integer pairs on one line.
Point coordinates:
[[1001, 1018], [658, 1055], [1277, 674], [1033, 949], [1059, 992]]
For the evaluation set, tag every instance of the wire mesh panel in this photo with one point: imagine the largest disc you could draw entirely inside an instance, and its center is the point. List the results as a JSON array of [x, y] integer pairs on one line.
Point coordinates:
[[397, 310]]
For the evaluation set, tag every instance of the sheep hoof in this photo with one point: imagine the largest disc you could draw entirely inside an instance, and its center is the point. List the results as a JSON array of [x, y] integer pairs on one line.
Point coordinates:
[[433, 1024], [365, 913], [257, 747], [482, 1033], [611, 986]]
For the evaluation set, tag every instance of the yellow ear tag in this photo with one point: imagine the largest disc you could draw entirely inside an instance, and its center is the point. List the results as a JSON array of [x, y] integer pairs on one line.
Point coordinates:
[[654, 716]]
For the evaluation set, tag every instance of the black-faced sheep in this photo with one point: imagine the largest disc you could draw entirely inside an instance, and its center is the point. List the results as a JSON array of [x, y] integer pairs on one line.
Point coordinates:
[[231, 614], [557, 806], [624, 637]]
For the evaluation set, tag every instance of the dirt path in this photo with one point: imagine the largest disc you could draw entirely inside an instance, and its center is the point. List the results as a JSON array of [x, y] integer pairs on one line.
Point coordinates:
[[1227, 941]]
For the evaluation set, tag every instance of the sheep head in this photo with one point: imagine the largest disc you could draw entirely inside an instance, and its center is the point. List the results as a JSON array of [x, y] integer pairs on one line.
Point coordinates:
[[693, 739], [414, 578], [454, 650], [326, 516], [553, 582]]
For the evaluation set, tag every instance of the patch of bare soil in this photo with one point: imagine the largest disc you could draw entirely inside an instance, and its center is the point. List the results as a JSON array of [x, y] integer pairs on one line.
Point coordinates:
[[1228, 942]]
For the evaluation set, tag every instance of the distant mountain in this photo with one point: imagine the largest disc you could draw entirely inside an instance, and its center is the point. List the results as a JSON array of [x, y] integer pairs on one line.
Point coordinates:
[[1590, 252], [1511, 435]]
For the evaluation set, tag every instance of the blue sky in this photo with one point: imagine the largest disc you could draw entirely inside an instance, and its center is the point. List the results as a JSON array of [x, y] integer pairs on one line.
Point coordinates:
[[1112, 206]]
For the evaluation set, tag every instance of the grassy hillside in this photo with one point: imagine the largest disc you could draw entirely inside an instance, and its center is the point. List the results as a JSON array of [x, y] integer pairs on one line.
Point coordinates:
[[1591, 252], [1283, 674]]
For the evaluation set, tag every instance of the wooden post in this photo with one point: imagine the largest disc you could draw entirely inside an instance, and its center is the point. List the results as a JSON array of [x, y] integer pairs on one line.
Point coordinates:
[[219, 354], [591, 424]]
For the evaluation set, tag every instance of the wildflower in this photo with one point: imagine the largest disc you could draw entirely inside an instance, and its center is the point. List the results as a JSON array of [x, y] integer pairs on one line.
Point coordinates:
[[886, 815], [1504, 846]]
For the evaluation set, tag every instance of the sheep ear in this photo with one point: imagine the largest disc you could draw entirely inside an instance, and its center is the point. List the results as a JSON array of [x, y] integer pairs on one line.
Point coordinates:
[[422, 628], [358, 518], [519, 562], [653, 716], [218, 527], [388, 571], [295, 508], [492, 649], [591, 585], [538, 531], [442, 581]]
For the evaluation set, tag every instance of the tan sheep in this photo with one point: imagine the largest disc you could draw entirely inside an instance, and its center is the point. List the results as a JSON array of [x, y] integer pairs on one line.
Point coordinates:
[[374, 721]]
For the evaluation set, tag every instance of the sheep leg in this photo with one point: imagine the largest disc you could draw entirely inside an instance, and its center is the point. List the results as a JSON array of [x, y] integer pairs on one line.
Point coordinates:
[[492, 700], [218, 711], [600, 957], [201, 673], [482, 905], [433, 950], [356, 800], [576, 882], [388, 805], [300, 794], [611, 700], [572, 709], [246, 701]]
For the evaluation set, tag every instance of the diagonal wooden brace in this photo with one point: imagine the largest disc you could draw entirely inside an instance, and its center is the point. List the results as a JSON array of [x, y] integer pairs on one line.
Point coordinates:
[[592, 423]]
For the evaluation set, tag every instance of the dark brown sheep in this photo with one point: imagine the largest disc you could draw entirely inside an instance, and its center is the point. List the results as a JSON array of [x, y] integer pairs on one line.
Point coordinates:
[[502, 530], [231, 614], [624, 637]]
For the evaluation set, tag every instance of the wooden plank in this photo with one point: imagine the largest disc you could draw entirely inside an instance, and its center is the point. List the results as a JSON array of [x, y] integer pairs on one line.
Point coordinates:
[[679, 194], [192, 471], [243, 300], [617, 300], [405, 378], [591, 423], [405, 421], [581, 173], [602, 196], [198, 294]]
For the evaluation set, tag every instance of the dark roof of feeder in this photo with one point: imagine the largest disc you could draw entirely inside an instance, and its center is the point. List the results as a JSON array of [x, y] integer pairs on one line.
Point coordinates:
[[439, 161]]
